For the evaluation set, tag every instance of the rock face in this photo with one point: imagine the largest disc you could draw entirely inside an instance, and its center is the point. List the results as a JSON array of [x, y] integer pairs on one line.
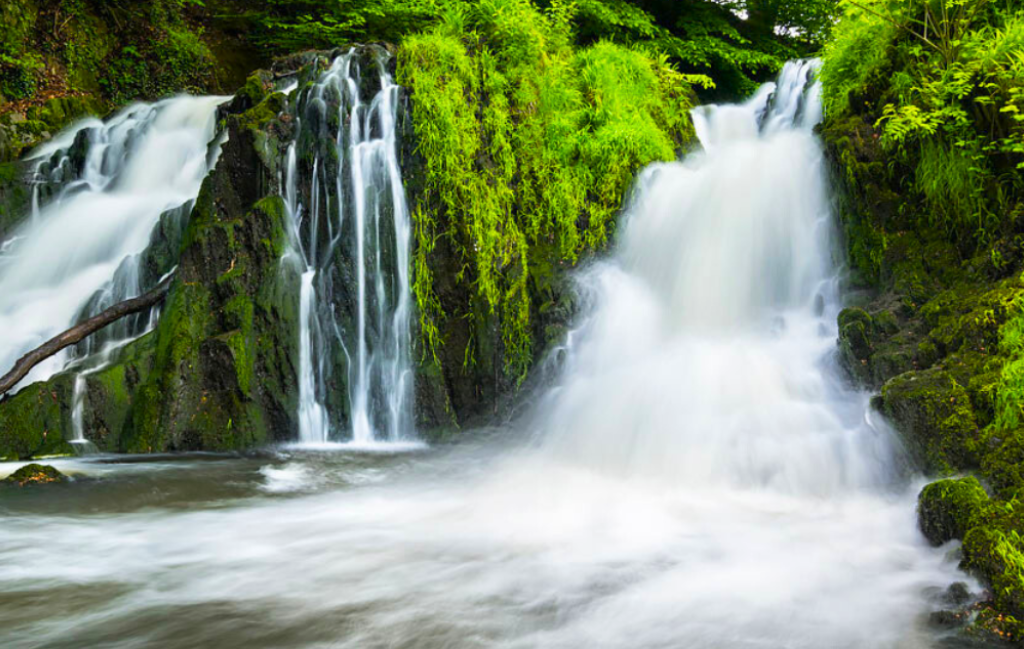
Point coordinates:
[[35, 474], [934, 413], [948, 509], [225, 345], [36, 420]]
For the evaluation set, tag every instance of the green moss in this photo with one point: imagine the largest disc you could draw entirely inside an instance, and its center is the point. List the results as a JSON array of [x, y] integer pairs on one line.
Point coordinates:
[[996, 556], [241, 342], [934, 411], [856, 328], [948, 509], [37, 420], [111, 394], [59, 112], [526, 142], [263, 111], [35, 474]]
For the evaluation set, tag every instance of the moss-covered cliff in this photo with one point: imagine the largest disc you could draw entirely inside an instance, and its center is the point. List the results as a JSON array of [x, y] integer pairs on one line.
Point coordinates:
[[526, 147], [922, 139]]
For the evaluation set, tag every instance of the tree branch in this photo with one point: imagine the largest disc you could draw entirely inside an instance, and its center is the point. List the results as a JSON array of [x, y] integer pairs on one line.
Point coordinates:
[[897, 25], [80, 331]]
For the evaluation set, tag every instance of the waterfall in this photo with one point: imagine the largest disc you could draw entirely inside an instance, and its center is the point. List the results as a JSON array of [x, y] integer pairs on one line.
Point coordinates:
[[706, 360], [83, 249], [351, 235]]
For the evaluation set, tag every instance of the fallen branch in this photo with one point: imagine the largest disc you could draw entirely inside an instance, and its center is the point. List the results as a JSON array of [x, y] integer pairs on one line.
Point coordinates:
[[82, 330]]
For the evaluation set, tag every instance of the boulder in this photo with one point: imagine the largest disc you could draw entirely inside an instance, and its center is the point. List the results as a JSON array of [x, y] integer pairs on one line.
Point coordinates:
[[948, 509], [933, 412], [35, 474]]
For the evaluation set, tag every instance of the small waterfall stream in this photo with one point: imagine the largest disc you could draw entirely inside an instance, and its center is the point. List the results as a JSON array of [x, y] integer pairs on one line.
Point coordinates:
[[351, 233]]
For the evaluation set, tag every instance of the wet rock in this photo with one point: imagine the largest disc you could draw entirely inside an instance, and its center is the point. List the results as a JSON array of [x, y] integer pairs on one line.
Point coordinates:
[[949, 619], [957, 594], [873, 348], [948, 509], [933, 411], [33, 421], [995, 556], [35, 474]]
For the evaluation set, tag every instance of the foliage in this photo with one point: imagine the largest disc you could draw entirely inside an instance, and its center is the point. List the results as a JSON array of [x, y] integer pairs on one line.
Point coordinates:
[[114, 48], [289, 25], [942, 81], [710, 37], [528, 143], [1009, 400], [179, 61], [700, 36], [18, 66]]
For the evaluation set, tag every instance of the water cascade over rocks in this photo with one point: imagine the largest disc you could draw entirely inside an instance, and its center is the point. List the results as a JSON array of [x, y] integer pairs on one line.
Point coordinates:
[[706, 362], [351, 232], [700, 476], [84, 249]]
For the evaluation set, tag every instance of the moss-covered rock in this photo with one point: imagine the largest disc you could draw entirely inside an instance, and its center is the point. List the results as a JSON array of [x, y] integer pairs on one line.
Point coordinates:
[[226, 344], [34, 420], [15, 194], [873, 348], [111, 393], [35, 474], [934, 412], [59, 112], [948, 509], [995, 556], [1002, 461], [953, 378]]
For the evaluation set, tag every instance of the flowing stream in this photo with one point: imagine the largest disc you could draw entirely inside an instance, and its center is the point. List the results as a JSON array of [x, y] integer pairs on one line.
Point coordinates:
[[699, 476]]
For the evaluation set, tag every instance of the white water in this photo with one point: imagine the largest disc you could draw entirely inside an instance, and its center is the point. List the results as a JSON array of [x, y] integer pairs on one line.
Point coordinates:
[[80, 252], [349, 218], [699, 478], [706, 363]]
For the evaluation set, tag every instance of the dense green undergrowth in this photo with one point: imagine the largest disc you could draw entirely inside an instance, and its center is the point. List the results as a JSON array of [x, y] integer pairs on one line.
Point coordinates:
[[530, 145], [738, 42], [124, 50], [120, 50], [943, 83]]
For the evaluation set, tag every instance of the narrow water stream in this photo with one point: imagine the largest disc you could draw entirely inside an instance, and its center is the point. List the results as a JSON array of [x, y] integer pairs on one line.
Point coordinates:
[[700, 475], [351, 235]]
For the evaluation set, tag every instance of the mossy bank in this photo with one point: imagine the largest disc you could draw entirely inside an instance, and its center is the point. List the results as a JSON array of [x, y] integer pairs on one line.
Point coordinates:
[[931, 208]]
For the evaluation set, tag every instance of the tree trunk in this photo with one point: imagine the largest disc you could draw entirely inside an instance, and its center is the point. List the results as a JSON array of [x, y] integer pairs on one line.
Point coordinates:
[[80, 331]]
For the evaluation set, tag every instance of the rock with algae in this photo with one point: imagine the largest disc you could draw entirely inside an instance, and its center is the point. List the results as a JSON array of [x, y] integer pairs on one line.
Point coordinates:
[[35, 474]]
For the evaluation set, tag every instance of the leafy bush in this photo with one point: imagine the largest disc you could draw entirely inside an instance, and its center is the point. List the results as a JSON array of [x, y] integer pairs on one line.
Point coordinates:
[[942, 81]]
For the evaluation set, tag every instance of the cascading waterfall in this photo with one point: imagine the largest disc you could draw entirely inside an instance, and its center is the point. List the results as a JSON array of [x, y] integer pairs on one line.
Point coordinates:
[[83, 250], [351, 233], [706, 360]]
